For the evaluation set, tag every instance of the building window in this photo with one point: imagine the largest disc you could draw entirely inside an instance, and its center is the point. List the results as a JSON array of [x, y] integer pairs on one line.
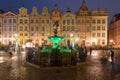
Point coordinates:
[[103, 41], [26, 34], [93, 21], [47, 28], [32, 28], [5, 35], [103, 27], [43, 28], [103, 34], [14, 28], [83, 21], [10, 36], [78, 21], [47, 21], [10, 28], [5, 20], [64, 21], [32, 21], [37, 21], [98, 34], [42, 21], [26, 21], [21, 28], [14, 20], [103, 21], [72, 28], [42, 34], [37, 29], [25, 28], [21, 41], [93, 28], [68, 22], [93, 34], [21, 21], [87, 21], [10, 20], [21, 34], [68, 28], [37, 34], [88, 28], [98, 21], [72, 21], [64, 28], [32, 34], [98, 28], [5, 29]]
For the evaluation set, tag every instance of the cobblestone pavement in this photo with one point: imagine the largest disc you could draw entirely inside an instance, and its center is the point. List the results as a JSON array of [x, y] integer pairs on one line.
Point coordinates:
[[15, 68]]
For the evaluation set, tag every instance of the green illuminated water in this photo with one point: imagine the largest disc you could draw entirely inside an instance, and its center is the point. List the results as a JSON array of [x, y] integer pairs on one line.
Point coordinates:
[[55, 40]]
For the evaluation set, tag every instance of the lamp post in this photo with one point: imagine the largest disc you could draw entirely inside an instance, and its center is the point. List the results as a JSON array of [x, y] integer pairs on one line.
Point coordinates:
[[94, 40], [16, 42], [111, 43], [72, 40]]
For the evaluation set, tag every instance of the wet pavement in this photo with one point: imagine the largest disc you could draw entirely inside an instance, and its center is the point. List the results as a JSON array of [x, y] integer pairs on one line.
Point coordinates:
[[16, 68]]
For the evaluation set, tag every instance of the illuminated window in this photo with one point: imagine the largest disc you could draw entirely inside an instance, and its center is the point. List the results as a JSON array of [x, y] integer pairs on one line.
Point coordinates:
[[103, 21], [37, 28], [25, 28], [98, 21], [64, 21], [64, 28], [21, 28], [21, 21], [10, 20], [93, 21], [14, 20], [32, 28], [98, 34], [103, 27], [93, 34], [93, 28], [5, 20], [103, 34], [98, 28]]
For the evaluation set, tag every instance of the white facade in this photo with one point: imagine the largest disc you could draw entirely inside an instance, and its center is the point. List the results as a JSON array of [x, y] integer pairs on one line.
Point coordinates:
[[9, 27]]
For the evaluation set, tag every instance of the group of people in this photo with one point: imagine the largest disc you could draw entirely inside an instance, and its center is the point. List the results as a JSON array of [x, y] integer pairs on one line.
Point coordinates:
[[83, 54]]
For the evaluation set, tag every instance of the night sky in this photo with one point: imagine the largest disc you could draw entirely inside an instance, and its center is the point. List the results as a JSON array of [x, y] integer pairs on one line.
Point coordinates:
[[113, 6]]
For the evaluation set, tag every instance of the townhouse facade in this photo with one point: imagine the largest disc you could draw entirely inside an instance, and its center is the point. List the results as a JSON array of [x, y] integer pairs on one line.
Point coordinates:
[[114, 31], [84, 27], [9, 27]]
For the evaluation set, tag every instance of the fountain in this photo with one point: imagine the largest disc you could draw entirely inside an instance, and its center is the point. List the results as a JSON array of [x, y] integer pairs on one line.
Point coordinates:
[[55, 40], [55, 56]]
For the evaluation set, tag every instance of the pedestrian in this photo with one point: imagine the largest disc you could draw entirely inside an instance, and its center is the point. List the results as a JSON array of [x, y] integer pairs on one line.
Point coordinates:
[[80, 53], [90, 50], [112, 56], [85, 53], [10, 54]]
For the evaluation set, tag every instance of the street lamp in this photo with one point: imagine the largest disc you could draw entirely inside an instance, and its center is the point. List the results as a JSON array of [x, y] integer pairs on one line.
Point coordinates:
[[94, 40], [16, 42], [72, 40], [111, 43]]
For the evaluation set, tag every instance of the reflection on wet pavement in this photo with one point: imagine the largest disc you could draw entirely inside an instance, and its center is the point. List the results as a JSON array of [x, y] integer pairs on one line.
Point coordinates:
[[17, 69]]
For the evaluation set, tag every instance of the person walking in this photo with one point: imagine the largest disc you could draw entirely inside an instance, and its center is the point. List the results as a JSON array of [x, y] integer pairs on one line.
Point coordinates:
[[90, 50], [112, 56], [85, 53]]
